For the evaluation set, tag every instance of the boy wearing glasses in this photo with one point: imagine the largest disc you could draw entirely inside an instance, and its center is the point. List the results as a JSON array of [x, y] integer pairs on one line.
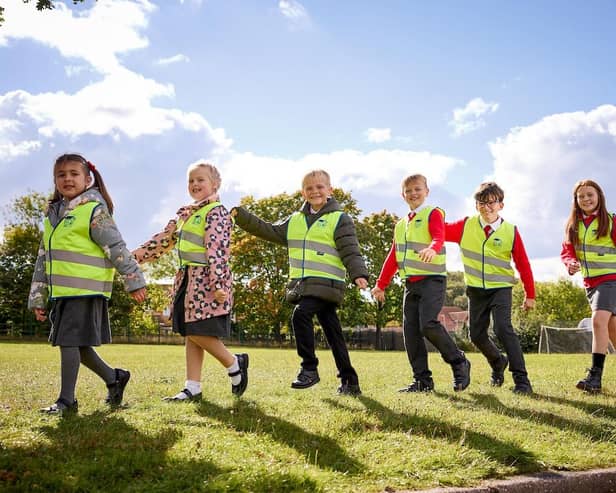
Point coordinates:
[[487, 245]]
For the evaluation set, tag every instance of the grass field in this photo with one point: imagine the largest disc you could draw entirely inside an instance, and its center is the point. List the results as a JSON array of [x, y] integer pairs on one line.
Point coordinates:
[[275, 439]]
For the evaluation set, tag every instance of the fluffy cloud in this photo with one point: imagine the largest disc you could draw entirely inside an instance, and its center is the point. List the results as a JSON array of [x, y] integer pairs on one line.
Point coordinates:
[[352, 170], [378, 135], [85, 37], [538, 165], [469, 118]]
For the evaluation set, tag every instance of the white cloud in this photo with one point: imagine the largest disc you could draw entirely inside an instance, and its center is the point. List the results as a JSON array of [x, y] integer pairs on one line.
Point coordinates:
[[294, 12], [352, 170], [538, 165], [172, 59], [378, 135], [469, 118], [10, 145], [97, 35], [75, 70]]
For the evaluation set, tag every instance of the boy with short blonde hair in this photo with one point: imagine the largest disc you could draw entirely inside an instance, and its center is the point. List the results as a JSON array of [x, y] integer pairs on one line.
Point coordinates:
[[418, 255], [323, 247]]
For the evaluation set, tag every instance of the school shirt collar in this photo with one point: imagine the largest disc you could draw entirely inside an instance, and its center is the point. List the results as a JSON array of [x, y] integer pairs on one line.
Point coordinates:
[[495, 225]]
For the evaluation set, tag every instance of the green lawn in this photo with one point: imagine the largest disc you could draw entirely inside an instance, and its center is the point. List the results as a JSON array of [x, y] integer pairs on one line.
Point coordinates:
[[279, 439]]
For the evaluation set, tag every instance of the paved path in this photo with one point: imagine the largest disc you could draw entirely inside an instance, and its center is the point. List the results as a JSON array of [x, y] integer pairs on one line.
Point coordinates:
[[594, 481]]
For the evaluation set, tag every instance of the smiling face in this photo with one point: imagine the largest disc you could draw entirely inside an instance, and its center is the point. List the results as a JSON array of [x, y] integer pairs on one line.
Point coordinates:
[[71, 179], [200, 184], [316, 190], [489, 208], [587, 199], [415, 193]]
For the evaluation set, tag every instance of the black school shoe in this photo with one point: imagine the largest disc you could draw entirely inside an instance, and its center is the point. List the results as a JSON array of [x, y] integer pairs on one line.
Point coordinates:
[[522, 386], [305, 379], [498, 371], [461, 375], [188, 397], [592, 382], [349, 389], [240, 388], [61, 408], [426, 385], [116, 388]]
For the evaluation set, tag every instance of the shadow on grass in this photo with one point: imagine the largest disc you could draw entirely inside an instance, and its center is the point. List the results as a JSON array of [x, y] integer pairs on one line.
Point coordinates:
[[102, 453], [492, 403], [594, 408], [505, 453], [247, 417]]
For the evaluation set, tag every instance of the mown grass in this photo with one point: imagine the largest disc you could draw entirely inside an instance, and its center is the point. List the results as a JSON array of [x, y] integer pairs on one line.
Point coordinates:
[[276, 439]]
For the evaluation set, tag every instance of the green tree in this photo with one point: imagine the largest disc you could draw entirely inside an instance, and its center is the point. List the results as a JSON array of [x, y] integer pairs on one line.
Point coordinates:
[[456, 290], [18, 251], [376, 233]]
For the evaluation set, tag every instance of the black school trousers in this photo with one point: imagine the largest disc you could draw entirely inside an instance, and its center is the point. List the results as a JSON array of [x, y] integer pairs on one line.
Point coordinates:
[[303, 327], [483, 303]]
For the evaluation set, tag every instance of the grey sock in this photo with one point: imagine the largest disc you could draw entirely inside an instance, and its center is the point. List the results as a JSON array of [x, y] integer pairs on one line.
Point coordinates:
[[69, 369], [91, 359]]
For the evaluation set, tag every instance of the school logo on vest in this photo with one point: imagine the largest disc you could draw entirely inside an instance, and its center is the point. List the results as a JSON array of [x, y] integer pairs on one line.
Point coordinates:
[[197, 220], [497, 242], [322, 223], [68, 221], [417, 223]]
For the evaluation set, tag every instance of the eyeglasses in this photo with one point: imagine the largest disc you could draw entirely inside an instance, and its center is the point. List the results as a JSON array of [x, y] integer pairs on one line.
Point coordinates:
[[489, 203]]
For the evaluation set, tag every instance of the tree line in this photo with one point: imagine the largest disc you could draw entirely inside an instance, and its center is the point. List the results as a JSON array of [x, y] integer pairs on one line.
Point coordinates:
[[260, 272]]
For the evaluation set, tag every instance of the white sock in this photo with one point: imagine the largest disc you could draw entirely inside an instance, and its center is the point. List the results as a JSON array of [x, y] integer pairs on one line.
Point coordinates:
[[235, 380], [193, 386]]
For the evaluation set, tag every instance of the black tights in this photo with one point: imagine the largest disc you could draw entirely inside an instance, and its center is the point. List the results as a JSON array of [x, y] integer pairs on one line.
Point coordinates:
[[70, 357]]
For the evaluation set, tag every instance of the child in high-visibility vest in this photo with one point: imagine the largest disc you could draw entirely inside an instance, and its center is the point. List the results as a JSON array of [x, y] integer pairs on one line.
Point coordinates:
[[590, 248], [487, 245], [203, 295], [418, 255], [74, 270], [323, 247]]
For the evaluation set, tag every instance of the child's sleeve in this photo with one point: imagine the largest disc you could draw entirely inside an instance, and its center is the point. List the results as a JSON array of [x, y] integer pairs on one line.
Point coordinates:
[[159, 244], [105, 234], [389, 269], [348, 248], [453, 231], [522, 264], [567, 254], [39, 289], [436, 226], [276, 233]]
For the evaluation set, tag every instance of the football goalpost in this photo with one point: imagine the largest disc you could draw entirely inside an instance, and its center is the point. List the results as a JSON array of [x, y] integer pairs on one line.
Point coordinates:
[[566, 340]]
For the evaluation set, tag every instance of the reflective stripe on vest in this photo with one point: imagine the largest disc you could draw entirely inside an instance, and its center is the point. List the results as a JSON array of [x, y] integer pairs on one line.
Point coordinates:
[[597, 255], [312, 251], [410, 238], [487, 261], [75, 265], [191, 243]]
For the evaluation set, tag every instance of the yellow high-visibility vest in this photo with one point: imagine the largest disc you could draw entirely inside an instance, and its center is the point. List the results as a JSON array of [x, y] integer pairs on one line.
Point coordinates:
[[487, 261], [410, 238], [312, 251], [597, 256], [75, 265], [191, 243]]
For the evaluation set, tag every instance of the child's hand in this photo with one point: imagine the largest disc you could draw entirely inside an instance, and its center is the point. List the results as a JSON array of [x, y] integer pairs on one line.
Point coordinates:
[[361, 282], [379, 294], [138, 295], [220, 296], [40, 314], [426, 255], [528, 304], [233, 212], [574, 267]]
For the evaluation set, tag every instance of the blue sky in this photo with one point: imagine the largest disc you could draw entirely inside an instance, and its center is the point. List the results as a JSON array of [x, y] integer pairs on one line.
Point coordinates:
[[519, 92]]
